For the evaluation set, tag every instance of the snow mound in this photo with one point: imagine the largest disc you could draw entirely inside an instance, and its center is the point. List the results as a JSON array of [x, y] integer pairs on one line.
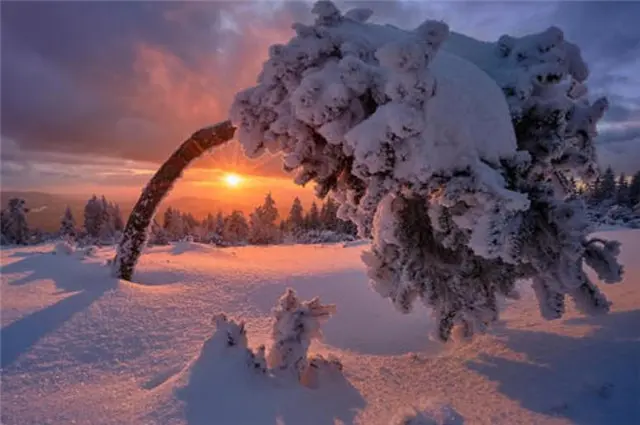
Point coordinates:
[[64, 248], [227, 374]]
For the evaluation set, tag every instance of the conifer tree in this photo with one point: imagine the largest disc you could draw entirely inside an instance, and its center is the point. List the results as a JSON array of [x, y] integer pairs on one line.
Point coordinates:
[[15, 229], [295, 219], [93, 217], [622, 190], [634, 189], [312, 219], [264, 223], [68, 225], [236, 229], [607, 191]]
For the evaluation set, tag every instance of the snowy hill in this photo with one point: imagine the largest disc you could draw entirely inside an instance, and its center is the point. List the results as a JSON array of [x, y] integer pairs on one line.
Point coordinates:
[[79, 347]]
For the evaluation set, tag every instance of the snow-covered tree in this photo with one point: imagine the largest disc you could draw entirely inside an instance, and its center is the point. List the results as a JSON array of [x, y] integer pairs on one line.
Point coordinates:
[[329, 215], [264, 223], [607, 188], [634, 189], [312, 219], [68, 225], [297, 324], [174, 224], [107, 231], [451, 153], [137, 229], [622, 190], [118, 221], [219, 223], [190, 223], [295, 219], [236, 229], [15, 229], [93, 217], [157, 234]]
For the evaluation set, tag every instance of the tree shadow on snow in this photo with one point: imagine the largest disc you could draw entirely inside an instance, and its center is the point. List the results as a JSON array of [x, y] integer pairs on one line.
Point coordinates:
[[364, 322], [231, 394], [590, 380], [87, 281], [68, 273]]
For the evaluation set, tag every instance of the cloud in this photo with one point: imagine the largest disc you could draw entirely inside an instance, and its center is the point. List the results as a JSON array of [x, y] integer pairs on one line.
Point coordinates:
[[131, 80], [623, 156]]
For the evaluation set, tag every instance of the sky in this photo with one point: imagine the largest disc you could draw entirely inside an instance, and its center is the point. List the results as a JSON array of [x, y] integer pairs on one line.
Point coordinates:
[[95, 95]]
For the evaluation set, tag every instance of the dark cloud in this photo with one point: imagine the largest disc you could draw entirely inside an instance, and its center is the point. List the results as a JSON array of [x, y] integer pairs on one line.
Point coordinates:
[[130, 80], [127, 79]]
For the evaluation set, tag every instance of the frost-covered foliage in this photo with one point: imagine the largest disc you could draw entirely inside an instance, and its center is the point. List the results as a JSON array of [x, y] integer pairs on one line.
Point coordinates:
[[297, 324], [433, 413], [13, 222], [449, 152], [230, 338]]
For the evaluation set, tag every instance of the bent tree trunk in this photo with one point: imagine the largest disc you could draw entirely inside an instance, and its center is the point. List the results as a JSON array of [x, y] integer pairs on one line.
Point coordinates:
[[135, 232]]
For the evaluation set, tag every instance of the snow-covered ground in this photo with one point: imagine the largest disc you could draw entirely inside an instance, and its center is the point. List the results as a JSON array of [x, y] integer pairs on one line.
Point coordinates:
[[79, 347]]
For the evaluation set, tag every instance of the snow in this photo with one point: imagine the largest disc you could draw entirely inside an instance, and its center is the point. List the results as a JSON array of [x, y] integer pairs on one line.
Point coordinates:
[[80, 347]]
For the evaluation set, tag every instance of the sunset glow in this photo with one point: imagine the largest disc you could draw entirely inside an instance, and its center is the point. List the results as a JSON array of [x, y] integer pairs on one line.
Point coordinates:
[[232, 180]]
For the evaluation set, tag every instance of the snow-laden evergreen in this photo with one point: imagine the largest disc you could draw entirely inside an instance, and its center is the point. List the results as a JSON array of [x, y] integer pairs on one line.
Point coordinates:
[[295, 219], [236, 229], [68, 225], [13, 222], [297, 324], [451, 153], [93, 217], [264, 228]]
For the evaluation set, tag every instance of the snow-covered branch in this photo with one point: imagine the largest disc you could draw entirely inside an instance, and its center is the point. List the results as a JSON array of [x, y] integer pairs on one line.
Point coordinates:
[[445, 149]]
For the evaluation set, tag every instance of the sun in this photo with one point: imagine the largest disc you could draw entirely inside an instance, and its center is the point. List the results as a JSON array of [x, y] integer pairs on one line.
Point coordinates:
[[232, 180]]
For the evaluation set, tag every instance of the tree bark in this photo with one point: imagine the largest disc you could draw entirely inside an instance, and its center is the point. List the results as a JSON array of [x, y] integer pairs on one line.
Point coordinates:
[[135, 232]]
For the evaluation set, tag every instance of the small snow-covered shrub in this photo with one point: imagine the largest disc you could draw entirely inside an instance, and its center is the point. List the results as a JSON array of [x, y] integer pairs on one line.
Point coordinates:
[[433, 413], [297, 324], [451, 153], [64, 248], [87, 251], [230, 339]]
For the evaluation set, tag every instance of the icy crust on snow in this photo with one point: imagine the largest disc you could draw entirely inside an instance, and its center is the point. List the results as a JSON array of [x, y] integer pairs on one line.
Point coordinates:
[[450, 152]]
